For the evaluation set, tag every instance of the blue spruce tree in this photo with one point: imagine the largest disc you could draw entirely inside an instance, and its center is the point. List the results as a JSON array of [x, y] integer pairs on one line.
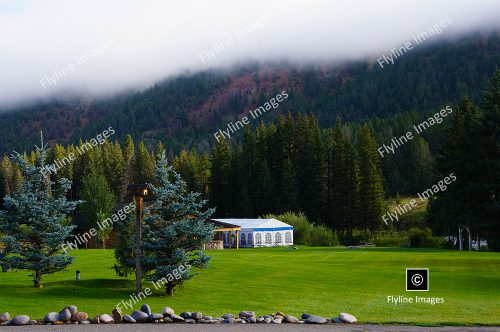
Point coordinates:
[[34, 222], [174, 230]]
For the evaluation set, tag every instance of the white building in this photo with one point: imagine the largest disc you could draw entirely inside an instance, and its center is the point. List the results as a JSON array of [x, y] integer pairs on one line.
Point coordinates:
[[259, 233]]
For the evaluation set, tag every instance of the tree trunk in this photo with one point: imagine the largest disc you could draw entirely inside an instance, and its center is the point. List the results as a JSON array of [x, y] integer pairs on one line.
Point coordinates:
[[170, 290], [36, 281]]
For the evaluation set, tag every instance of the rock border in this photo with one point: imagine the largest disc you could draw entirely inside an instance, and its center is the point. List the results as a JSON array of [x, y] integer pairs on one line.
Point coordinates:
[[71, 315]]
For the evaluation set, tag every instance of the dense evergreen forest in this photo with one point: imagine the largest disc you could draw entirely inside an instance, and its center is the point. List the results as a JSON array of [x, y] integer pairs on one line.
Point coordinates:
[[317, 153]]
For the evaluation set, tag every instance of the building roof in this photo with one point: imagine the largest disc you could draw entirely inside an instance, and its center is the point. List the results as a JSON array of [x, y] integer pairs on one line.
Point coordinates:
[[259, 224], [221, 223]]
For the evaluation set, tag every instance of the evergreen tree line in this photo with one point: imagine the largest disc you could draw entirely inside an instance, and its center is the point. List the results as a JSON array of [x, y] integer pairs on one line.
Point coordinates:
[[334, 175], [472, 152], [295, 166], [290, 166]]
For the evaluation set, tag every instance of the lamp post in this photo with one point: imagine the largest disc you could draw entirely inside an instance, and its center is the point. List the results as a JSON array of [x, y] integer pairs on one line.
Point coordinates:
[[139, 191]]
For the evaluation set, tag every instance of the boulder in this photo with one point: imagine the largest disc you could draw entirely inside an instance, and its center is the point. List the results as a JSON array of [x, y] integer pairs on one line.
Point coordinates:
[[128, 319], [246, 314], [281, 313], [64, 315], [32, 322], [196, 315], [117, 316], [229, 320], [207, 317], [51, 317], [185, 314], [80, 316], [167, 311], [154, 317], [305, 316], [145, 308], [72, 309], [291, 319], [336, 320], [252, 319], [177, 318], [189, 321], [347, 318], [268, 320], [20, 320], [95, 320], [168, 320], [4, 317], [140, 316], [106, 319], [277, 321], [315, 320], [227, 316]]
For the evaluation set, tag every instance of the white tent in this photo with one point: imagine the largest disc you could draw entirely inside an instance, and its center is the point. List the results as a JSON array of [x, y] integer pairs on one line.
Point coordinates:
[[260, 232]]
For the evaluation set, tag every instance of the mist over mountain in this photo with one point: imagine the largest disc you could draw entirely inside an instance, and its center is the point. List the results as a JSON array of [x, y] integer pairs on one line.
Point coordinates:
[[54, 49], [185, 111]]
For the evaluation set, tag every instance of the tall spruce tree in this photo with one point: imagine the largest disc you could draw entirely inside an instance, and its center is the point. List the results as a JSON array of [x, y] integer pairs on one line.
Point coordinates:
[[114, 168], [34, 221], [372, 201], [174, 230], [144, 167], [220, 185]]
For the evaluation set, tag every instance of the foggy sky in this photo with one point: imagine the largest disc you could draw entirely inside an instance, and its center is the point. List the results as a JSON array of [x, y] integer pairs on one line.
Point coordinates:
[[105, 46]]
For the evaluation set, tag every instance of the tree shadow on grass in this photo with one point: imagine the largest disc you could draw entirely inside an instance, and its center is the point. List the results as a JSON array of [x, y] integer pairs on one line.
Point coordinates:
[[396, 249], [92, 288]]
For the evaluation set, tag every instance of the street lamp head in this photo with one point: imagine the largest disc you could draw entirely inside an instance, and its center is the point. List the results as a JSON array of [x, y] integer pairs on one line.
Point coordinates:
[[138, 189]]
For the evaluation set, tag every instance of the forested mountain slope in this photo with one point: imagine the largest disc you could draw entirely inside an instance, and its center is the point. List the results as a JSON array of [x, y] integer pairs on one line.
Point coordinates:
[[185, 111]]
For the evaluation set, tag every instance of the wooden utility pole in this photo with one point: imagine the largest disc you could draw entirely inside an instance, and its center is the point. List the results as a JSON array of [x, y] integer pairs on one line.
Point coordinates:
[[139, 191]]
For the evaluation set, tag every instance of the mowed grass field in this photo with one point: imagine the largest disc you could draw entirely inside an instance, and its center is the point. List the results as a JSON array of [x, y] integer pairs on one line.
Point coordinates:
[[323, 281]]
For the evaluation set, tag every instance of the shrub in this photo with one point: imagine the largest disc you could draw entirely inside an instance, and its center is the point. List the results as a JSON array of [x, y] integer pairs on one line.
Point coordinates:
[[422, 238], [322, 236], [301, 226], [389, 239], [494, 243]]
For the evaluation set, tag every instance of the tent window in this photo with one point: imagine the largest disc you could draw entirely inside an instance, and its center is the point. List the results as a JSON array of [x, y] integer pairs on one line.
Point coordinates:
[[288, 237], [258, 239], [269, 238], [278, 238]]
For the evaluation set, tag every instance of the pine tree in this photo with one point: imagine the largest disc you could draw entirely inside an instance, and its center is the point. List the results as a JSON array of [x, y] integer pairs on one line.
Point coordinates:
[[98, 201], [310, 166], [371, 182], [34, 221], [144, 165], [6, 176], [114, 168], [289, 189], [129, 160], [220, 185], [174, 230]]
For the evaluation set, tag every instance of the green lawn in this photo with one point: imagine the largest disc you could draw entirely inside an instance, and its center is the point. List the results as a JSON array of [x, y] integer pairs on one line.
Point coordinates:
[[323, 281]]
